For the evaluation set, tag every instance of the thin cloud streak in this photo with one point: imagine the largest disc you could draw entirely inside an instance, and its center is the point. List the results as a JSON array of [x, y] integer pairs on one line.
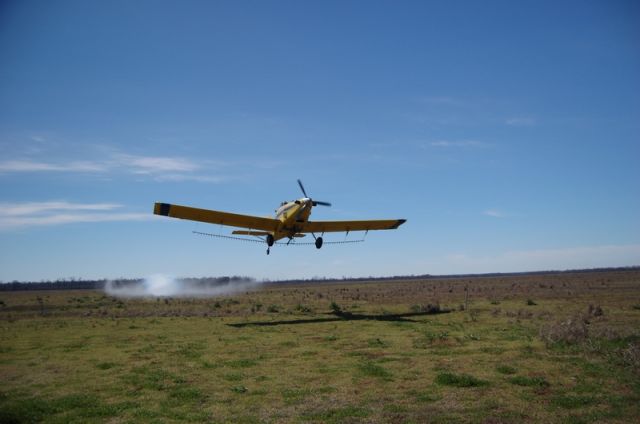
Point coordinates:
[[494, 213], [461, 143], [34, 166], [30, 214], [521, 121], [33, 208], [154, 164], [159, 168], [58, 219]]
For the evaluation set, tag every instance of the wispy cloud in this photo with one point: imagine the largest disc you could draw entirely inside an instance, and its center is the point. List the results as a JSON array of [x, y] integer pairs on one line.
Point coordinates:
[[494, 213], [521, 121], [154, 164], [28, 214], [158, 168], [12, 166], [32, 208], [198, 178], [458, 143]]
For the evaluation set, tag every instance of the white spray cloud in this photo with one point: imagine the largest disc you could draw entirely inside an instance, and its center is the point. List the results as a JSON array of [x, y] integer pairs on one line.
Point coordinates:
[[162, 285]]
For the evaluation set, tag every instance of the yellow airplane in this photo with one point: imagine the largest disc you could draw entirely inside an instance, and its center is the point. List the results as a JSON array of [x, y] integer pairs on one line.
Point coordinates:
[[291, 220]]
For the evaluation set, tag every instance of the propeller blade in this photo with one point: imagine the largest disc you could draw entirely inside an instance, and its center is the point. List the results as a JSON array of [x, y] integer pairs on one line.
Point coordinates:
[[302, 188], [318, 202]]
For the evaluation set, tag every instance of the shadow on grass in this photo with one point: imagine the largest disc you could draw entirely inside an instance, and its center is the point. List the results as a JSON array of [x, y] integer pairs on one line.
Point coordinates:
[[342, 316]]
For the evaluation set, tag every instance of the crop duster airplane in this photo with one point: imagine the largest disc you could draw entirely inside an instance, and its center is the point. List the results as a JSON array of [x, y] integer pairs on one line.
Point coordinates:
[[291, 221]]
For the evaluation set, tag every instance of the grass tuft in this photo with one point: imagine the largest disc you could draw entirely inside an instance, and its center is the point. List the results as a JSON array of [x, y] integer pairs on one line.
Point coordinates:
[[371, 369], [573, 401], [505, 369], [529, 381], [459, 380], [239, 389], [338, 415]]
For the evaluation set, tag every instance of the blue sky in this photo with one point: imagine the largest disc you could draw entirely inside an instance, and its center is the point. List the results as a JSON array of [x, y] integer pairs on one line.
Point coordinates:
[[506, 133]]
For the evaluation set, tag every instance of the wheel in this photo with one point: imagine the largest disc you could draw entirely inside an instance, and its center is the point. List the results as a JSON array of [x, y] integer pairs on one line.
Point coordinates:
[[270, 240], [318, 242]]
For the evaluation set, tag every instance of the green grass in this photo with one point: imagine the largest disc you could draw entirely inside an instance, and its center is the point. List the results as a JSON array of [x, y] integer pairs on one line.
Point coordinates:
[[459, 380], [529, 381], [185, 360], [370, 369], [506, 369], [337, 415], [569, 401]]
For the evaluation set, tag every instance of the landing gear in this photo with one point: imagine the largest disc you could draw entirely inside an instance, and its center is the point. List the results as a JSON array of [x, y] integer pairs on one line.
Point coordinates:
[[270, 242], [318, 242]]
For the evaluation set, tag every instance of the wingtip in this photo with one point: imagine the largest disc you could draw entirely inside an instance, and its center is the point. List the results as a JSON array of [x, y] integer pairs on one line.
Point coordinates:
[[399, 223], [161, 209]]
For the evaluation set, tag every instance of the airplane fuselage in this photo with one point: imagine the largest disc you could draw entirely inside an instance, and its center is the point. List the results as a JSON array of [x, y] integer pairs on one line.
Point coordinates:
[[292, 214]]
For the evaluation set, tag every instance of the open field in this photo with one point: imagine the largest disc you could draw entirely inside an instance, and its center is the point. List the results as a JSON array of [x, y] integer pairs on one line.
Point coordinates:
[[543, 348]]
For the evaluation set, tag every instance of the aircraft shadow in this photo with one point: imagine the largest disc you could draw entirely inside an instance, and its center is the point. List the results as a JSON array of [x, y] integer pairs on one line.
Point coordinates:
[[342, 316]]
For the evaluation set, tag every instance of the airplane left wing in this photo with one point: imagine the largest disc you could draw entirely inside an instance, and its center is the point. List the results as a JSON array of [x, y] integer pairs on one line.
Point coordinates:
[[340, 226], [216, 217]]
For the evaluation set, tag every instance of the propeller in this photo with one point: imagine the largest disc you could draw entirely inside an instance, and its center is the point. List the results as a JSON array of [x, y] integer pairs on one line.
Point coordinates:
[[313, 202]]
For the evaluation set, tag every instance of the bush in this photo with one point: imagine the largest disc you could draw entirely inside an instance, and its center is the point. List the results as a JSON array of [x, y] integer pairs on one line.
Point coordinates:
[[631, 355], [428, 308], [594, 311], [571, 331], [303, 308]]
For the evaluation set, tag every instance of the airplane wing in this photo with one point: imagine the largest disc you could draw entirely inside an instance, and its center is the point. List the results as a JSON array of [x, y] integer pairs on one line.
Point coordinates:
[[216, 217], [340, 226]]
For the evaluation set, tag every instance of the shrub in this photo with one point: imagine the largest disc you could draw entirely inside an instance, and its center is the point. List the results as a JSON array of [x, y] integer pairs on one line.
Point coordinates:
[[631, 355], [531, 302], [571, 331], [336, 308], [594, 311], [303, 308], [273, 308], [429, 308]]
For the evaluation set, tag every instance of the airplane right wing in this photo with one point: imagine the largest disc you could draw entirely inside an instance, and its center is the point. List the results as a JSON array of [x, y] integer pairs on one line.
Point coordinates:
[[216, 217], [339, 226]]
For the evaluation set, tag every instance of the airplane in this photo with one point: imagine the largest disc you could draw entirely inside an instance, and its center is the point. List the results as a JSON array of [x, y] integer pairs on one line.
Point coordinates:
[[291, 221]]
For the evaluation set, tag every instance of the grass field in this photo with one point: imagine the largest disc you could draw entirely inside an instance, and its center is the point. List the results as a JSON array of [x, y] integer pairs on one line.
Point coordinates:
[[545, 348]]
